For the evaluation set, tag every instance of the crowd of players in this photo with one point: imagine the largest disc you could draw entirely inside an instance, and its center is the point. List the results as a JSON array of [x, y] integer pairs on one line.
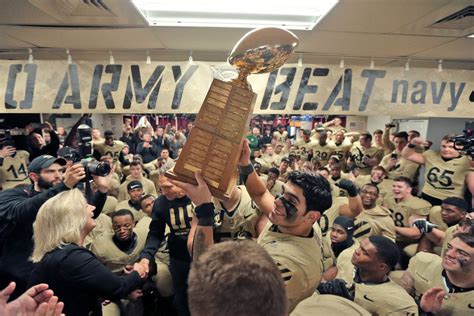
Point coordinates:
[[349, 223]]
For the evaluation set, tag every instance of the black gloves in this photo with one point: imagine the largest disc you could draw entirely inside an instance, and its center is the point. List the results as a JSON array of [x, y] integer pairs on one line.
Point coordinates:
[[349, 186], [424, 226], [337, 287]]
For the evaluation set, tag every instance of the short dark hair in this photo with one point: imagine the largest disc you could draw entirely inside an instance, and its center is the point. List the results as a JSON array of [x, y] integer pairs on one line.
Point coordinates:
[[387, 250], [323, 169], [378, 131], [122, 212], [146, 196], [467, 238], [371, 185], [274, 170], [460, 203], [415, 132], [236, 278], [403, 135], [316, 190], [448, 138], [136, 163], [108, 134], [406, 180], [367, 135]]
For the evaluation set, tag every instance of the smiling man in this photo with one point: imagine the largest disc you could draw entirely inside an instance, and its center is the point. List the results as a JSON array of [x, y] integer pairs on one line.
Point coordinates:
[[374, 220], [288, 237], [445, 285]]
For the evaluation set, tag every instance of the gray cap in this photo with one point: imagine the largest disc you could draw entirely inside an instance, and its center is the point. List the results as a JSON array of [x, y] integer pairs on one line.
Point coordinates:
[[44, 161]]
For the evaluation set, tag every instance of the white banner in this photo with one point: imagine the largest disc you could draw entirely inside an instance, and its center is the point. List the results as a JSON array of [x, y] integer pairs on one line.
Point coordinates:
[[167, 87]]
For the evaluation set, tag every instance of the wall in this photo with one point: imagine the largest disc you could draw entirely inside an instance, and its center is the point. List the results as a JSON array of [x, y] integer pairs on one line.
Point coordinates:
[[377, 122], [439, 127], [356, 123]]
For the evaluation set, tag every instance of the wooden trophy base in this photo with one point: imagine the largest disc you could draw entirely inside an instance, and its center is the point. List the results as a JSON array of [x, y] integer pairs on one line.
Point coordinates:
[[215, 142]]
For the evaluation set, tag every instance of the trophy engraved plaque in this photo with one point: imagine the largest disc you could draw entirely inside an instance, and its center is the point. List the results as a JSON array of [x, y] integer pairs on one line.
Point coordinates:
[[215, 142]]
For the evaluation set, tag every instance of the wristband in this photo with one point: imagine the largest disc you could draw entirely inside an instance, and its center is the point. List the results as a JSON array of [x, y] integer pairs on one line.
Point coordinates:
[[205, 214], [245, 171], [412, 146]]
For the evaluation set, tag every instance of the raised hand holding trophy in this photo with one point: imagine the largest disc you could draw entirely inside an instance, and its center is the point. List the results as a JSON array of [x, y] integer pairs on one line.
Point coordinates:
[[215, 142]]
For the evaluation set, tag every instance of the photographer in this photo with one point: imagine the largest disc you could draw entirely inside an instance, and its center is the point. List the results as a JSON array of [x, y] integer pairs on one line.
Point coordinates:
[[19, 208], [447, 172]]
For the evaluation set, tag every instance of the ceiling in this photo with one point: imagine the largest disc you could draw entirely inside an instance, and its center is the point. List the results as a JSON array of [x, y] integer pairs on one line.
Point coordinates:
[[389, 31]]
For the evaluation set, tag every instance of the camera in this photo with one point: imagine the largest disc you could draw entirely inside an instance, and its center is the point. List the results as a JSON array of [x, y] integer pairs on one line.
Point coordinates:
[[390, 125], [464, 143], [84, 154]]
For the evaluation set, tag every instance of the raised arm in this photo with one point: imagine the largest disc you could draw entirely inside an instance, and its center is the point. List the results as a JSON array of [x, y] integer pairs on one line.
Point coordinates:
[[409, 151], [355, 202], [256, 188], [204, 215]]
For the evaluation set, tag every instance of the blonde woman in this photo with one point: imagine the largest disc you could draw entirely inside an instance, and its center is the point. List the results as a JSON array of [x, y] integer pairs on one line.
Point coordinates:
[[75, 275]]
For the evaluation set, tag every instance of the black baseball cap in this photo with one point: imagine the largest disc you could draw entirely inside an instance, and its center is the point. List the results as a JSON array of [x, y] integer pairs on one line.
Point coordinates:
[[44, 161], [132, 185]]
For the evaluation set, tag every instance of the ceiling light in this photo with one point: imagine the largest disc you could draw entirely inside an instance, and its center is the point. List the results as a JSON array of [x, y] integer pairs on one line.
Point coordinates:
[[69, 57], [191, 60], [300, 61], [341, 64], [470, 35], [111, 58], [372, 64], [407, 65], [30, 56], [292, 15], [148, 58], [440, 65]]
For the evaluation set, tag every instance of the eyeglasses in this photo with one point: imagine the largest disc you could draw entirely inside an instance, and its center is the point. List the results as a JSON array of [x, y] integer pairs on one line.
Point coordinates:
[[289, 207]]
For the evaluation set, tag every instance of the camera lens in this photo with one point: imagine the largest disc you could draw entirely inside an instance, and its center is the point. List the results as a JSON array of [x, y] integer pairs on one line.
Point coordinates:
[[98, 168]]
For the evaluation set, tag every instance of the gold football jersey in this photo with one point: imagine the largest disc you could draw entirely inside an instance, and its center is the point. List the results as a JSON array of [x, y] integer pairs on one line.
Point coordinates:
[[342, 149], [374, 222], [280, 137], [106, 150], [14, 170], [403, 167], [345, 268], [114, 258], [445, 179], [148, 188], [387, 298], [305, 147], [402, 211], [323, 153], [239, 223], [327, 218], [427, 271], [299, 260], [328, 305], [358, 153]]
